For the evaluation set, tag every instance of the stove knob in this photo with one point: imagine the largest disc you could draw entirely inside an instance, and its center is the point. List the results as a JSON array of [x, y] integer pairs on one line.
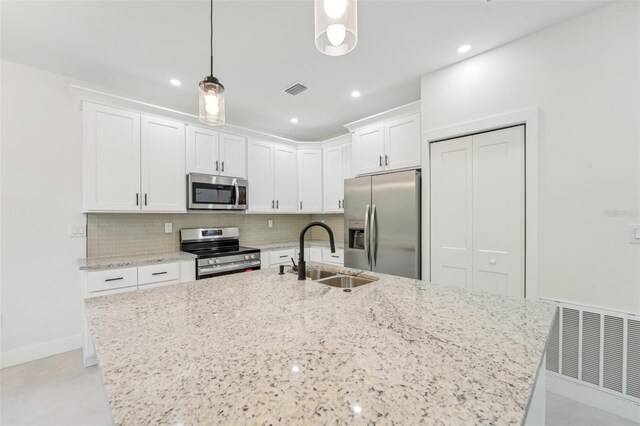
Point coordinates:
[[217, 260], [253, 256], [210, 261], [246, 257]]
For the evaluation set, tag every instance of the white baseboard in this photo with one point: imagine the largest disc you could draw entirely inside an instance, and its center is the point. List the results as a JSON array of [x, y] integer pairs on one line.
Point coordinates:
[[593, 397], [41, 350]]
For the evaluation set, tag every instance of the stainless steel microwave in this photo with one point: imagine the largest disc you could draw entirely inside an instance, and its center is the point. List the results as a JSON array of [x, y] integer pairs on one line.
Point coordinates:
[[209, 192]]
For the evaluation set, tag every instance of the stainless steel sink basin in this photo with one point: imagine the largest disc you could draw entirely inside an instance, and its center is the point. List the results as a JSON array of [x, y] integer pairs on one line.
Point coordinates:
[[346, 281], [318, 274]]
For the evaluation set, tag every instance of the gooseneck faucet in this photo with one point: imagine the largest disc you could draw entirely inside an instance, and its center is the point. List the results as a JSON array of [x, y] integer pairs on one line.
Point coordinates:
[[302, 269]]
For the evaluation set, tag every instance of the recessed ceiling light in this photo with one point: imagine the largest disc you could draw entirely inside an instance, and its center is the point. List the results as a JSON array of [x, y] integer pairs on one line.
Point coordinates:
[[294, 120], [464, 48], [175, 82], [355, 94]]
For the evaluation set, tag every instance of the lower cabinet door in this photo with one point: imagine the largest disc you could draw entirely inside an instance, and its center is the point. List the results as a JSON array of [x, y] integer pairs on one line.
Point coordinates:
[[110, 281], [166, 273], [336, 258], [281, 257]]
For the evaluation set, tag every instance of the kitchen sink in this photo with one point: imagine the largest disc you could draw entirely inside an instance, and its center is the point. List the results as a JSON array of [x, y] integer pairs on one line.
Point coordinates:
[[318, 274], [346, 282]]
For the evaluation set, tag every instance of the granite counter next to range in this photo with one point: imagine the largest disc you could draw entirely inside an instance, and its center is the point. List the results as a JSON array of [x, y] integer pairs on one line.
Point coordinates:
[[265, 348]]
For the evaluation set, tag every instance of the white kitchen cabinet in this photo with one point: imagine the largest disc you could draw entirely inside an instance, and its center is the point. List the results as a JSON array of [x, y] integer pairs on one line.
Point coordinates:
[[310, 180], [315, 254], [386, 144], [273, 182], [163, 169], [368, 150], [112, 281], [333, 165], [233, 155], [336, 258], [347, 162], [111, 159], [202, 151], [285, 173], [216, 153], [402, 142], [281, 257], [260, 171]]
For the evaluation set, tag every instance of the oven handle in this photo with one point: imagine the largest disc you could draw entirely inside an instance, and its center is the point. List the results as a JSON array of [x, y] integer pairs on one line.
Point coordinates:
[[235, 183], [233, 267]]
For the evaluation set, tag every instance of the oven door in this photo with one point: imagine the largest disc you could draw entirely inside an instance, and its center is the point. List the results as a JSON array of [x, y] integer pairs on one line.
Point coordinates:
[[208, 192]]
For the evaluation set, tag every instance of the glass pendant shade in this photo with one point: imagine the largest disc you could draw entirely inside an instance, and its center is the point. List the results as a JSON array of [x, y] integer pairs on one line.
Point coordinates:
[[211, 101], [336, 26]]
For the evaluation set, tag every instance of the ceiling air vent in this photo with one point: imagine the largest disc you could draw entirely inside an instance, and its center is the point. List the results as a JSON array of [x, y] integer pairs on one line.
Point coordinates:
[[295, 89]]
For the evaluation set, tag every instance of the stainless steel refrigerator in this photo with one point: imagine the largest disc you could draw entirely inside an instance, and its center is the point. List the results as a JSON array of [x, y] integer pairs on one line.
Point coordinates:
[[382, 223]]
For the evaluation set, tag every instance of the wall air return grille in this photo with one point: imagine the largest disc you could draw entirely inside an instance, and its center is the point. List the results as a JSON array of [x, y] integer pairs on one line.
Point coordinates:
[[553, 345], [596, 348], [295, 89], [633, 358]]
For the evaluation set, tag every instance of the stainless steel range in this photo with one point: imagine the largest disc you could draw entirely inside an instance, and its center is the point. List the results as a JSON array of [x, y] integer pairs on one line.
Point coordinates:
[[219, 251]]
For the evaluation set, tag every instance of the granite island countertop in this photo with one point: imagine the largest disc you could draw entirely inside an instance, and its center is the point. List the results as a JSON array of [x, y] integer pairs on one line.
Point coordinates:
[[261, 348]]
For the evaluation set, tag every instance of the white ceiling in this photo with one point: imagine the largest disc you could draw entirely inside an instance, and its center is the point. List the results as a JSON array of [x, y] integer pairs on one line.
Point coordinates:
[[261, 47]]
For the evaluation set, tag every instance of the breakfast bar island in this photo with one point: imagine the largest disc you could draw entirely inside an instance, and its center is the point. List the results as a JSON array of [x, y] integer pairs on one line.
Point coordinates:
[[264, 348]]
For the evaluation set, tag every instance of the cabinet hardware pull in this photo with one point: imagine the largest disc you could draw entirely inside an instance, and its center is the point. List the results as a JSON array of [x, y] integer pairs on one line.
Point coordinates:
[[216, 165], [386, 160], [333, 255], [283, 256], [137, 201], [145, 198], [159, 273], [277, 204], [114, 279], [273, 204], [223, 166], [339, 204], [381, 161], [300, 205]]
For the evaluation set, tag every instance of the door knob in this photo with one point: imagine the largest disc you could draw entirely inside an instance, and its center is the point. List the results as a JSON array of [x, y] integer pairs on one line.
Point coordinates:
[[492, 261]]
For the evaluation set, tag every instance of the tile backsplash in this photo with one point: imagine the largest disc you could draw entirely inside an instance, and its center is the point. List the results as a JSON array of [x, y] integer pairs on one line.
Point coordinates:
[[122, 234]]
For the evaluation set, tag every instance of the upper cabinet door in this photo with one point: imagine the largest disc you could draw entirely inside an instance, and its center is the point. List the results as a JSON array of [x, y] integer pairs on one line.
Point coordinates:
[[368, 150], [285, 179], [260, 175], [333, 179], [310, 180], [202, 151], [163, 165], [347, 158], [402, 142], [233, 155], [112, 159]]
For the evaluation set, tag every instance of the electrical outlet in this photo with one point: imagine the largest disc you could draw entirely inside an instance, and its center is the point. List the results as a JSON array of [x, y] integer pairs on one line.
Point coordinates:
[[77, 231], [269, 223], [168, 228], [323, 221]]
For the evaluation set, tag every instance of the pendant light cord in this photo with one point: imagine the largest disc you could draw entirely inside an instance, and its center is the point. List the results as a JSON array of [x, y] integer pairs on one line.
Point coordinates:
[[211, 35]]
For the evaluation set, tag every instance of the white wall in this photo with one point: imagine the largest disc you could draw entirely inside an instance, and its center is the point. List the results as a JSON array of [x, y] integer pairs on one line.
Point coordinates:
[[41, 196], [584, 75]]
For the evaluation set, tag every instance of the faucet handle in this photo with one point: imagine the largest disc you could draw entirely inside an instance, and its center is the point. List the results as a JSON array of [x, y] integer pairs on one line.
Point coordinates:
[[294, 267]]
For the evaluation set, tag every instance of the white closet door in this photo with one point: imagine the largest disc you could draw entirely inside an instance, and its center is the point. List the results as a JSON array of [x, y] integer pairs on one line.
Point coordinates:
[[477, 212], [451, 212], [498, 217]]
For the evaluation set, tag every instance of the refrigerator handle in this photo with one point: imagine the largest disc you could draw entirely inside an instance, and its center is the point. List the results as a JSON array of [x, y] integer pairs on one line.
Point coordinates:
[[374, 237], [367, 210]]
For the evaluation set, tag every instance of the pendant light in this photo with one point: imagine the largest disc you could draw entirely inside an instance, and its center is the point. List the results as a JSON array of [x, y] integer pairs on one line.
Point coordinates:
[[211, 109], [336, 26]]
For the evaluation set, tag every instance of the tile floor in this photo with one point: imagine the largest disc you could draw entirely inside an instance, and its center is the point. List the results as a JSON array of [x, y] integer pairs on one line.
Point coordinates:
[[42, 393]]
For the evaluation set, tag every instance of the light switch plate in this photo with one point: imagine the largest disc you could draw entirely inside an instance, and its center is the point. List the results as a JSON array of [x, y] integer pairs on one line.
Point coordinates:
[[168, 228], [635, 233], [77, 231], [270, 223]]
